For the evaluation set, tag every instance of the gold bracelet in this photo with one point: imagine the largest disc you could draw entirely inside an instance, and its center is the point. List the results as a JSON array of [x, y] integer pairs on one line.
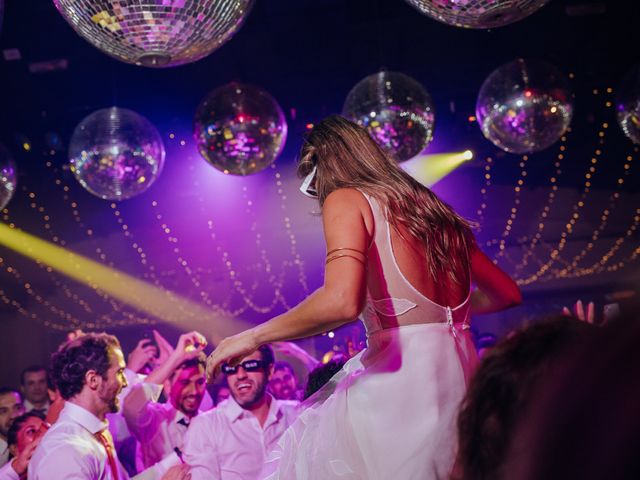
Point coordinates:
[[335, 257], [345, 248]]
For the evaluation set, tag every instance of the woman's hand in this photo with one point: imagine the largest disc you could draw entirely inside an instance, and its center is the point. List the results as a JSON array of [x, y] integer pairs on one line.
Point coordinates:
[[231, 350]]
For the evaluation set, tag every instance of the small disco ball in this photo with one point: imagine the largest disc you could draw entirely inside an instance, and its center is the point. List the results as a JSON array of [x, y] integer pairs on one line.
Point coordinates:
[[524, 106], [396, 110], [116, 154], [240, 129], [628, 104], [8, 177], [155, 33], [477, 13]]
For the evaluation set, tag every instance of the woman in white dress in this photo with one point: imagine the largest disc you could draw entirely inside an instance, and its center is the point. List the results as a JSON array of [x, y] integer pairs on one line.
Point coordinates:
[[405, 261]]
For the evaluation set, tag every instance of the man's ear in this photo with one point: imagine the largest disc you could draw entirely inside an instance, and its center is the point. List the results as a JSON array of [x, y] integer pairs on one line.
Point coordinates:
[[13, 450], [270, 371], [92, 379]]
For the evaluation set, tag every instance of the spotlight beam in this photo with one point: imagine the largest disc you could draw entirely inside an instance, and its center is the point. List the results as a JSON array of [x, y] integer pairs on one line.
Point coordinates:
[[429, 169], [157, 302]]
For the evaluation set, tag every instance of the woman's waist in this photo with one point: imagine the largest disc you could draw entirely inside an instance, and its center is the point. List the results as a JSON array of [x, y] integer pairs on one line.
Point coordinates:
[[391, 328]]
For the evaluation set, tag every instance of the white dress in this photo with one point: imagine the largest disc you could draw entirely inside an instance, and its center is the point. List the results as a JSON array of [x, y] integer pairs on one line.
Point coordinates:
[[391, 412]]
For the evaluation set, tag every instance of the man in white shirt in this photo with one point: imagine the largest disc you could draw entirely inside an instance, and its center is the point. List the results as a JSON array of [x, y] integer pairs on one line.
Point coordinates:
[[89, 372], [233, 440], [34, 385], [11, 407], [161, 427]]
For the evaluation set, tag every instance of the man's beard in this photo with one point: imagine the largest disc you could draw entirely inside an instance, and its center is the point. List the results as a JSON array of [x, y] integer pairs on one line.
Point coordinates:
[[114, 405], [261, 388]]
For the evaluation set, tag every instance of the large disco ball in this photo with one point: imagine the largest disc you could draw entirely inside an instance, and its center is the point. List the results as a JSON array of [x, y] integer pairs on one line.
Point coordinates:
[[116, 154], [155, 33], [477, 13], [8, 177], [396, 110], [628, 104], [240, 129], [524, 106]]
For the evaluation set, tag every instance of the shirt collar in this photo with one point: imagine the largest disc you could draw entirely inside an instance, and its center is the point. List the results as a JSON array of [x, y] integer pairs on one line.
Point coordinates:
[[3, 445], [28, 406], [233, 411], [84, 417]]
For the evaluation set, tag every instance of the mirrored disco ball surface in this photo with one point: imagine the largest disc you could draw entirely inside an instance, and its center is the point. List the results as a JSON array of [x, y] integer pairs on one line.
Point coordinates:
[[116, 154], [240, 129], [8, 177], [396, 110], [628, 104], [155, 33], [524, 106], [477, 13]]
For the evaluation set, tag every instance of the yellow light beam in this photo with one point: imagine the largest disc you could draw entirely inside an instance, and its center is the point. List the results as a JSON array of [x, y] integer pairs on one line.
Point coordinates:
[[429, 169], [157, 302]]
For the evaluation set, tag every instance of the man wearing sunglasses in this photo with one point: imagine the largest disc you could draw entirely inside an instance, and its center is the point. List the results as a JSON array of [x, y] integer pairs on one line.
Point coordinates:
[[233, 440]]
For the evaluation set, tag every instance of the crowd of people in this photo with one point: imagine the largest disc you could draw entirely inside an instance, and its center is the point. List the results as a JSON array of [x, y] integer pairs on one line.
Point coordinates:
[[159, 420], [419, 402]]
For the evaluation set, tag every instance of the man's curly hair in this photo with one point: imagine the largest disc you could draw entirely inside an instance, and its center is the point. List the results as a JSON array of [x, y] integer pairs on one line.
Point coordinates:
[[75, 358]]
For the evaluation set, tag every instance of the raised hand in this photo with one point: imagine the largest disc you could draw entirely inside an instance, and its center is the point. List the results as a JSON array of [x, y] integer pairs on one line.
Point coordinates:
[[231, 350], [144, 353], [579, 312]]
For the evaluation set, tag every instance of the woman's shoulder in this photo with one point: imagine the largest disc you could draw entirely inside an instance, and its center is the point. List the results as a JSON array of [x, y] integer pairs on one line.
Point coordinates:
[[351, 196]]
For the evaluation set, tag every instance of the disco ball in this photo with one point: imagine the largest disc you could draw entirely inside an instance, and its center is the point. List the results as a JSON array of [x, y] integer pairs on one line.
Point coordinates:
[[155, 33], [239, 129], [116, 154], [396, 110], [8, 177], [524, 106], [477, 13], [628, 104]]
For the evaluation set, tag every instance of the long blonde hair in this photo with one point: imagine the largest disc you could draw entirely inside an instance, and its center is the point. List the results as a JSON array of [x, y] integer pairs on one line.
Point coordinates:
[[345, 156]]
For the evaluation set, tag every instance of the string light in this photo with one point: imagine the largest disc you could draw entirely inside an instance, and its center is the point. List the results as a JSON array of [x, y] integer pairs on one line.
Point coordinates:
[[578, 206], [546, 209]]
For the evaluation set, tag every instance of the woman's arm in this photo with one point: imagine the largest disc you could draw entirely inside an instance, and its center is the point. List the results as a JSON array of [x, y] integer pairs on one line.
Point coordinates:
[[337, 302], [496, 290]]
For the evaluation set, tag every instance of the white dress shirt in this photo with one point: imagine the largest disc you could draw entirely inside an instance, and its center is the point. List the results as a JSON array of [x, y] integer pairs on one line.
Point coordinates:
[[69, 450], [228, 443], [28, 407], [4, 452], [159, 427], [8, 473]]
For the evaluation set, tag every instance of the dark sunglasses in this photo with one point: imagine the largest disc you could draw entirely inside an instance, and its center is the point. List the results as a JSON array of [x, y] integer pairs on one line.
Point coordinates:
[[247, 365]]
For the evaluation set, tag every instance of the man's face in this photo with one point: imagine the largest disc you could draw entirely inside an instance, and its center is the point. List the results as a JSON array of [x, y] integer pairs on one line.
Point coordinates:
[[187, 390], [114, 381], [10, 408], [35, 386], [283, 384], [32, 429], [248, 388]]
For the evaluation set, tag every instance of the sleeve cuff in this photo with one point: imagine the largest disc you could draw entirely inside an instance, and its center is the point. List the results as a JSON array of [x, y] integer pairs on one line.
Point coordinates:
[[167, 462]]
